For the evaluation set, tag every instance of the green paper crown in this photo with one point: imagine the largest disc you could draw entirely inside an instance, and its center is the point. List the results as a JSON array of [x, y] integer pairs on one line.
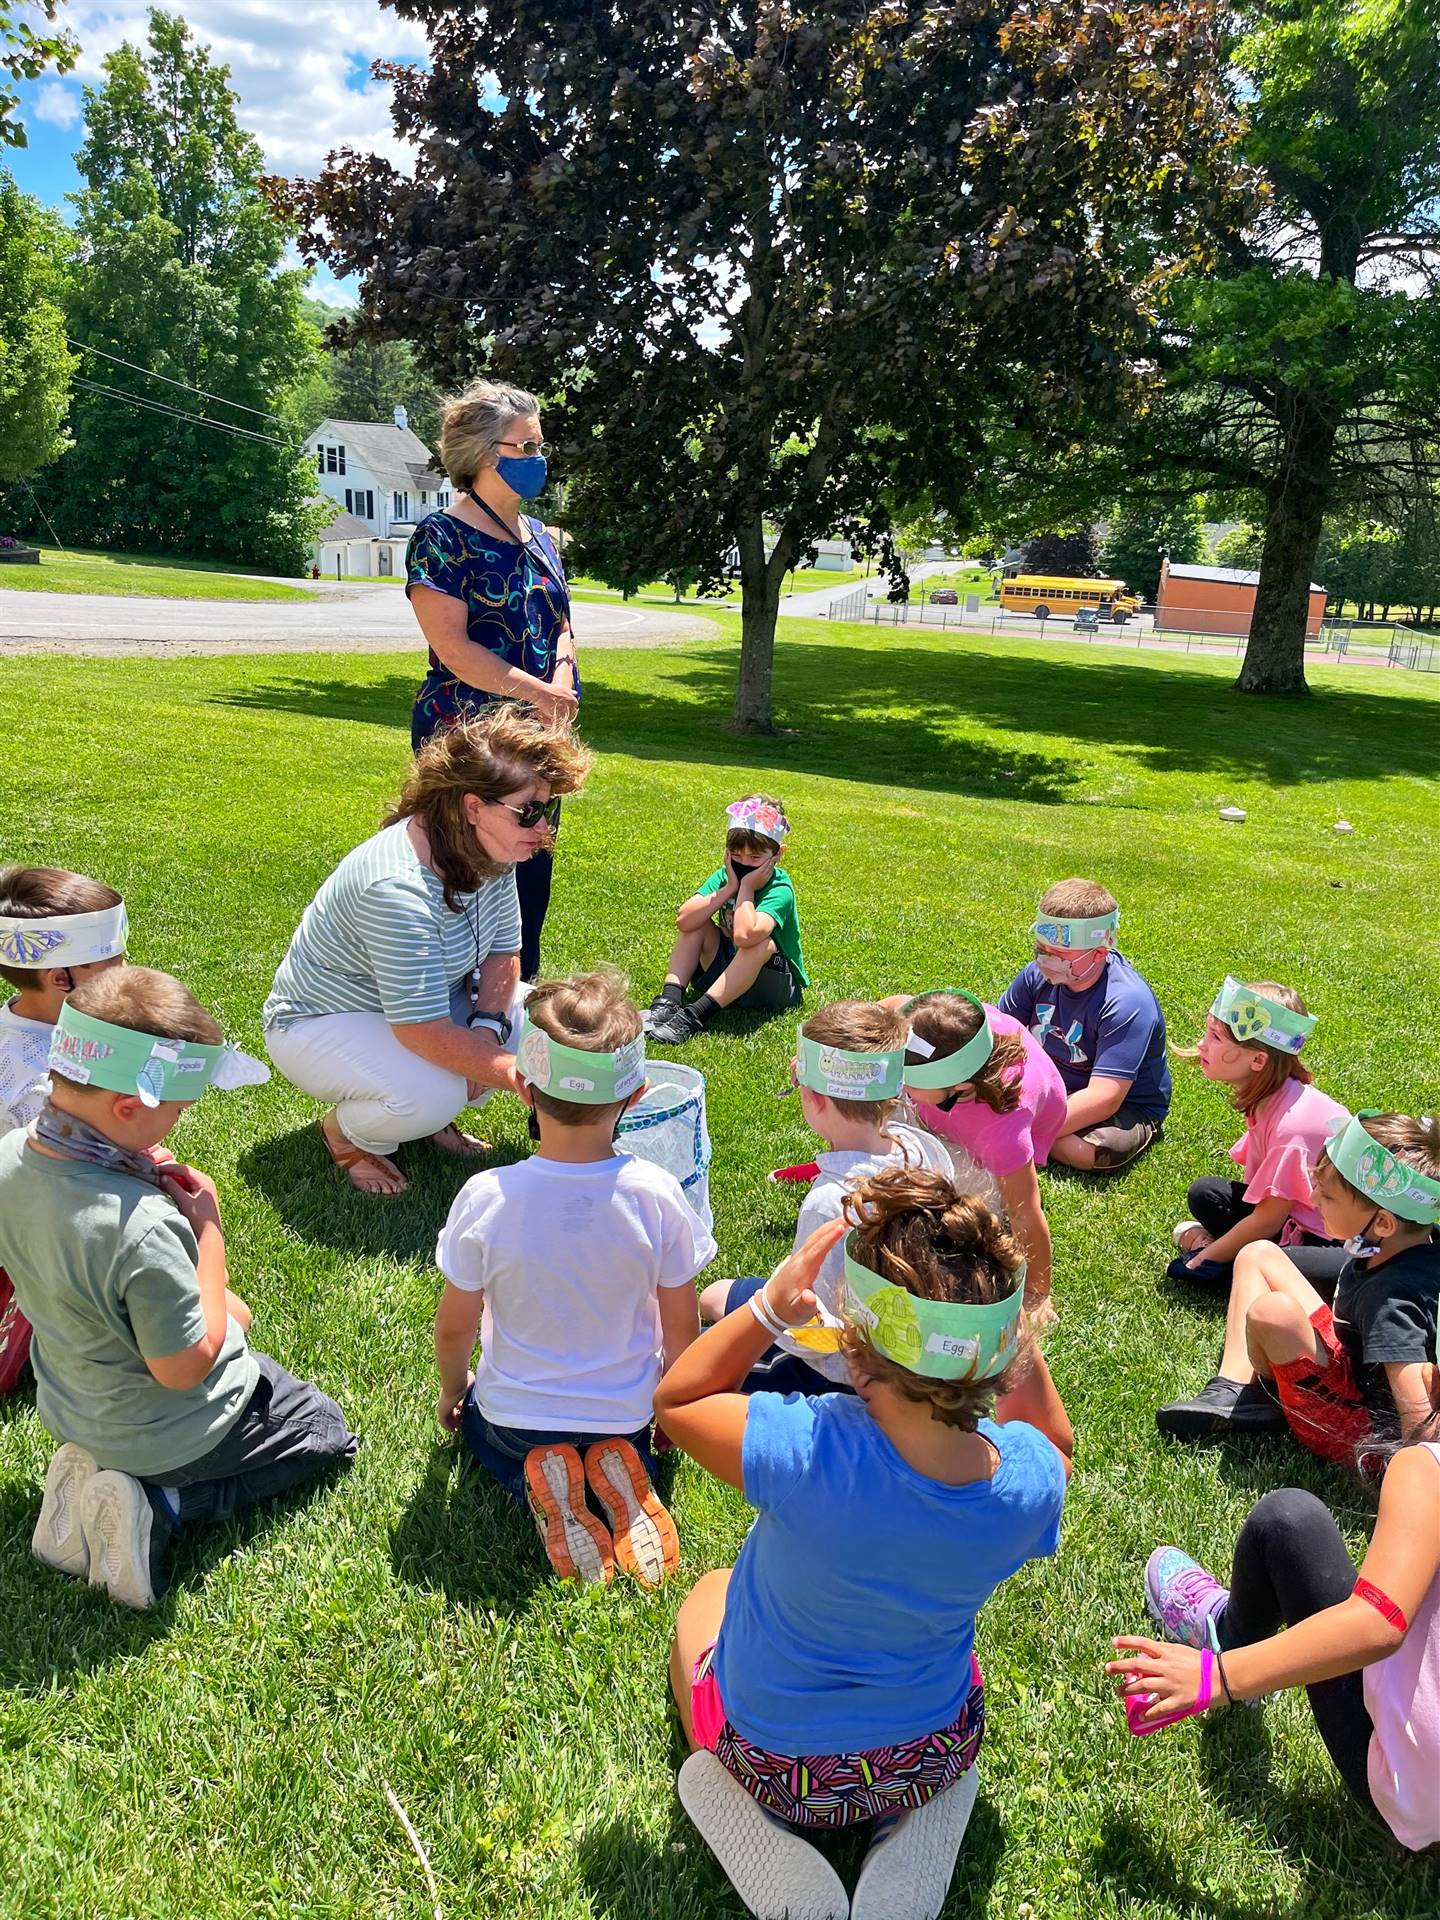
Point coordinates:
[[955, 1068], [1381, 1175], [1078, 935], [1255, 1019], [842, 1075], [939, 1339], [97, 1054], [591, 1079]]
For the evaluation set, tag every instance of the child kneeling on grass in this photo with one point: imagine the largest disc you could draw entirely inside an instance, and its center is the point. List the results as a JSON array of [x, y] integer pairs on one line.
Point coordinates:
[[1339, 1377], [142, 1371], [829, 1679], [848, 1066], [1365, 1648], [738, 941], [1251, 1044], [575, 1267]]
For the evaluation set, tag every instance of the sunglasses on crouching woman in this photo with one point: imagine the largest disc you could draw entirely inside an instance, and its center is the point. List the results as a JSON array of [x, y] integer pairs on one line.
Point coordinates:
[[531, 812]]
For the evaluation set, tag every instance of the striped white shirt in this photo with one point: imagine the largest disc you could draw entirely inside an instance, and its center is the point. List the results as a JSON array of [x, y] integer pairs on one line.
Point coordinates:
[[379, 938]]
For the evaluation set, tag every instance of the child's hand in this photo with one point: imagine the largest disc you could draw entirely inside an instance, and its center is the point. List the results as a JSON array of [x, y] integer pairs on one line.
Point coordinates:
[[732, 879], [193, 1193], [759, 877], [447, 1407], [1169, 1675], [162, 1156], [791, 1288]]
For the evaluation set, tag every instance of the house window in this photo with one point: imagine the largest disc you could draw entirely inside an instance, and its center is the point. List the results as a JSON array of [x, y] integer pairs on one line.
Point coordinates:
[[340, 452], [320, 459], [442, 499], [349, 502], [400, 506], [422, 499], [369, 509], [331, 465]]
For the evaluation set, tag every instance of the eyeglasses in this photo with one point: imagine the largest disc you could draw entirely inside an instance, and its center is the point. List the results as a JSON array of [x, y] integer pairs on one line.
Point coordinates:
[[531, 812], [528, 448]]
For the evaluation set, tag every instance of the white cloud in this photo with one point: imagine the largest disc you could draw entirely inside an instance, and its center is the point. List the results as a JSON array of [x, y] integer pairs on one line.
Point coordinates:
[[289, 64], [58, 104]]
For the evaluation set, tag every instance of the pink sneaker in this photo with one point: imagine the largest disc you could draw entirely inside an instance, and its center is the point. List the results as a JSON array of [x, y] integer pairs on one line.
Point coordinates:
[[1185, 1599], [807, 1171]]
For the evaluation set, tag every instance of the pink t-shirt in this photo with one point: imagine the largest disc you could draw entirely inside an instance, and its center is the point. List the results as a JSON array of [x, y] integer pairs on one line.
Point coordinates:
[[1006, 1142], [1280, 1145], [1402, 1697]]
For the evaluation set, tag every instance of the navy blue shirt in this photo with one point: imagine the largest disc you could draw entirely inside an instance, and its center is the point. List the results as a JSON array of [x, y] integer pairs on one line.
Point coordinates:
[[1114, 1028]]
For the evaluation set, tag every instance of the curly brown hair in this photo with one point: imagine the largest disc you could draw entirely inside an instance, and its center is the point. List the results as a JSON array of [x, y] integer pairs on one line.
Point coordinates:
[[1279, 1065], [917, 1230], [592, 1011], [947, 1021], [859, 1026], [505, 749]]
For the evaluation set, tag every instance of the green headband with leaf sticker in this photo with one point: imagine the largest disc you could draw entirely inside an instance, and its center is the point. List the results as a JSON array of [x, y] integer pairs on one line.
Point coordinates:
[[1076, 935], [572, 1073], [1382, 1176], [842, 1075], [97, 1054], [941, 1339], [954, 1069], [1256, 1020]]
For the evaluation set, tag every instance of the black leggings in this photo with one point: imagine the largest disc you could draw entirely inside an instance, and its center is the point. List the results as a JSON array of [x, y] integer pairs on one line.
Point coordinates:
[[1290, 1562], [532, 883], [1220, 1204]]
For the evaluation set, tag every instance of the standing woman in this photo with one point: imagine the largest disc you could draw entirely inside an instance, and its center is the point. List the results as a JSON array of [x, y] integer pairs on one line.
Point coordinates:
[[488, 588]]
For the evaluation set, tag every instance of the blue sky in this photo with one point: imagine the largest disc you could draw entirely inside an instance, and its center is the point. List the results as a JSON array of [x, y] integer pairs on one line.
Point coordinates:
[[302, 75]]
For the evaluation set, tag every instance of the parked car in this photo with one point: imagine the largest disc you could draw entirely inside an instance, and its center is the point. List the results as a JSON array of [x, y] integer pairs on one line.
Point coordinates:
[[1087, 620], [945, 597]]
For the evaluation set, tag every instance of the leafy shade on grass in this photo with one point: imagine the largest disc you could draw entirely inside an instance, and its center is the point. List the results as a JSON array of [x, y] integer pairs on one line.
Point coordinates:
[[226, 1755], [158, 577]]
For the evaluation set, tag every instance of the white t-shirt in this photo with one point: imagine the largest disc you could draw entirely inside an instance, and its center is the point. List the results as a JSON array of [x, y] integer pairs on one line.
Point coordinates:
[[842, 1170], [569, 1259], [24, 1073]]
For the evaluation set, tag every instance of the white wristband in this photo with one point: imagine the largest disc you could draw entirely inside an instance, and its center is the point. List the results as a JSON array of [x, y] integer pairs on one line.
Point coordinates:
[[765, 1313]]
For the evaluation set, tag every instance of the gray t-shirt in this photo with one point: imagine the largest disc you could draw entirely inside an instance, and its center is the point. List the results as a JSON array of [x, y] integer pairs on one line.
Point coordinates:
[[379, 938], [104, 1269]]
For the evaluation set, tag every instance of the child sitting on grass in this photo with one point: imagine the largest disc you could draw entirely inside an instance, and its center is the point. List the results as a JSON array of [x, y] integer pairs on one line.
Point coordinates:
[[1251, 1044], [980, 1079], [738, 939], [830, 1678], [1100, 1023], [576, 1268], [848, 1067], [1344, 1376], [164, 1414], [56, 929]]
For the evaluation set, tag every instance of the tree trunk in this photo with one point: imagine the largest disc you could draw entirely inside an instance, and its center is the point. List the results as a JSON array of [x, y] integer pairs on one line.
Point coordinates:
[[1275, 653], [759, 606]]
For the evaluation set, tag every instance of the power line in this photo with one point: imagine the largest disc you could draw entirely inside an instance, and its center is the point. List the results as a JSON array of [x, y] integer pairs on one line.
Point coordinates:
[[178, 413], [184, 385]]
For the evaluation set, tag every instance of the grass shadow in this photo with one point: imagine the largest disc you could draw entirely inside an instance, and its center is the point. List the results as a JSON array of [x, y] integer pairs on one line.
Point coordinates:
[[462, 1535]]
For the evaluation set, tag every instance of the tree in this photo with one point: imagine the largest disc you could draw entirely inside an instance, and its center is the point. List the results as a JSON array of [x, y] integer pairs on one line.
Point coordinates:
[[1139, 534], [25, 52], [184, 427], [776, 266], [35, 365], [1076, 554], [1239, 549]]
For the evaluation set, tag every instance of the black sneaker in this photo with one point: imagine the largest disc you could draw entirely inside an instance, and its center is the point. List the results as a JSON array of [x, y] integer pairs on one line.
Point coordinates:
[[1256, 1410], [1210, 1414], [672, 1026]]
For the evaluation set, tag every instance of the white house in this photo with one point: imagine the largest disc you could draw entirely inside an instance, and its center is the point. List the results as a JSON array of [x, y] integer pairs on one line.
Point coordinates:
[[382, 475]]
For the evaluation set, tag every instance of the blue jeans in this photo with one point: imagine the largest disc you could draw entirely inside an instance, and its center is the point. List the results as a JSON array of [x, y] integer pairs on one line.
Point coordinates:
[[502, 1450], [777, 1371]]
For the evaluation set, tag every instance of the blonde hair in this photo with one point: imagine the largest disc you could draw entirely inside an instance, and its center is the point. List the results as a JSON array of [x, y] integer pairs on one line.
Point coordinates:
[[146, 1002], [1077, 900], [859, 1026], [1279, 1067], [502, 751], [920, 1232], [591, 1011], [474, 423], [947, 1021]]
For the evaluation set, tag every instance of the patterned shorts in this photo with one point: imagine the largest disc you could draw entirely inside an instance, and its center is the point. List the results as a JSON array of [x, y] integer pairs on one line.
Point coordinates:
[[839, 1789], [1324, 1406]]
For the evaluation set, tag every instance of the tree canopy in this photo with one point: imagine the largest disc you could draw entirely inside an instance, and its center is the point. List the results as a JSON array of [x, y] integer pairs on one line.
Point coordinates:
[[780, 267], [1140, 532], [1075, 554], [26, 50], [35, 364]]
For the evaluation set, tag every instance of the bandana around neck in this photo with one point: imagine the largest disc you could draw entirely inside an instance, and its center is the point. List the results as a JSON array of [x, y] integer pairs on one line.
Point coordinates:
[[76, 1139]]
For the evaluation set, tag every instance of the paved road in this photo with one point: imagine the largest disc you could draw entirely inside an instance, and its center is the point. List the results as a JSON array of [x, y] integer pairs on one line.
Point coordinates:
[[340, 620]]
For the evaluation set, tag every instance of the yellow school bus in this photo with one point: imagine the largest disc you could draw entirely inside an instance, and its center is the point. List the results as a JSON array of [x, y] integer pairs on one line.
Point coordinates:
[[1044, 594]]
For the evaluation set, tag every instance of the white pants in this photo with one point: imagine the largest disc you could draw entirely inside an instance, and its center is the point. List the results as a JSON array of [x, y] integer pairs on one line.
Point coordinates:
[[383, 1094]]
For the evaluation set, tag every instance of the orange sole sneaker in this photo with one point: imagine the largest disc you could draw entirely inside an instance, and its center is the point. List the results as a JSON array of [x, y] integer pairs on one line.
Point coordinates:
[[646, 1543], [576, 1544]]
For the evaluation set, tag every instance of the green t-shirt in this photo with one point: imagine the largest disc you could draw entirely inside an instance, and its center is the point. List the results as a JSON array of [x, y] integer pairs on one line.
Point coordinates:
[[777, 898], [104, 1269]]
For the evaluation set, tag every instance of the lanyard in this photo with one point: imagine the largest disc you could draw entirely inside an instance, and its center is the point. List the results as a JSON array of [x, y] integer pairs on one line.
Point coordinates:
[[536, 552]]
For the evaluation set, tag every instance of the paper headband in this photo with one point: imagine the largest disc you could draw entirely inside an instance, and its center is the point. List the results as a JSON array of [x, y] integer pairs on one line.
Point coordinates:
[[121, 1060], [758, 816], [1253, 1018], [954, 1068], [1379, 1174], [64, 939], [572, 1073], [843, 1075], [1077, 935]]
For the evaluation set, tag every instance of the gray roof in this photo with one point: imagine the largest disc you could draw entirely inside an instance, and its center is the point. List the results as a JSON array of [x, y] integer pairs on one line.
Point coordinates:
[[346, 527], [1227, 576], [397, 457]]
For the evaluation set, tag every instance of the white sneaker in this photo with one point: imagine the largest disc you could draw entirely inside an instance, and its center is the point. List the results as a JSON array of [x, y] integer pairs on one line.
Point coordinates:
[[906, 1873], [117, 1520], [1181, 1232], [59, 1538], [778, 1875]]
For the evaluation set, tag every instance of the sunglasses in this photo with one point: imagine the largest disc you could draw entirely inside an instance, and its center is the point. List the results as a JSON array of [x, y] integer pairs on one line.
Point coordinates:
[[532, 812], [528, 448]]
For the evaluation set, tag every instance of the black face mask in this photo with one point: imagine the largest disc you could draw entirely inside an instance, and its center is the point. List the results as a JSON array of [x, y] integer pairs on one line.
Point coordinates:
[[740, 871]]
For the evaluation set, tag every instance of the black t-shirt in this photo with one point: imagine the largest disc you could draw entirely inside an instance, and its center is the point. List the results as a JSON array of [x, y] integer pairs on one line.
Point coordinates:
[[1385, 1315]]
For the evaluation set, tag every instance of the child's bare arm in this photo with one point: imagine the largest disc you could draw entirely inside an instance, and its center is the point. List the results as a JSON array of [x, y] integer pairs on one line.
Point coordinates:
[[194, 1194], [1408, 1381], [1095, 1102], [1264, 1223], [457, 1323], [679, 1321], [701, 907], [751, 927], [1037, 1401]]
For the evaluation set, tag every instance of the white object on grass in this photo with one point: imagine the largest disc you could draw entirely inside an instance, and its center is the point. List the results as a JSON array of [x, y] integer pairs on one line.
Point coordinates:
[[1343, 826], [1237, 814], [667, 1125], [420, 1853]]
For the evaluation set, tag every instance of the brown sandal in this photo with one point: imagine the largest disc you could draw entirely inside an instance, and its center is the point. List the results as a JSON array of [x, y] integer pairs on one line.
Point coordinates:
[[351, 1158], [466, 1146]]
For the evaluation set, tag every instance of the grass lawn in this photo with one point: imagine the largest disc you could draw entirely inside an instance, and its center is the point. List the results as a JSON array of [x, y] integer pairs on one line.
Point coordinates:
[[964, 580], [156, 576], [226, 1755], [657, 593]]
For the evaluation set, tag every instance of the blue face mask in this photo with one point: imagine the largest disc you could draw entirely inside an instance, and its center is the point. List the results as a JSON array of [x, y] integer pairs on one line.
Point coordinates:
[[523, 476]]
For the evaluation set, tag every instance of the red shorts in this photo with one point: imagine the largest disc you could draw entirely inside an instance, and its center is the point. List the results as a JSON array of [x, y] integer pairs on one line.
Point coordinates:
[[1322, 1400]]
